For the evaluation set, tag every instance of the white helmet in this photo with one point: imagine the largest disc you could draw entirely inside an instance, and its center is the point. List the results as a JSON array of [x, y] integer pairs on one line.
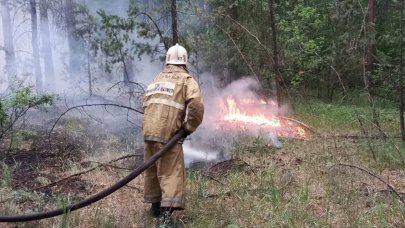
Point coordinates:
[[177, 55]]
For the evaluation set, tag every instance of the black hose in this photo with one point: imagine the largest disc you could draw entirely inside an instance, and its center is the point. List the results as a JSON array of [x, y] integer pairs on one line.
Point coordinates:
[[94, 198]]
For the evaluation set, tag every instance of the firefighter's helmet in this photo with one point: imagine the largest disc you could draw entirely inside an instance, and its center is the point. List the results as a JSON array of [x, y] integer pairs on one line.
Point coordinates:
[[177, 55]]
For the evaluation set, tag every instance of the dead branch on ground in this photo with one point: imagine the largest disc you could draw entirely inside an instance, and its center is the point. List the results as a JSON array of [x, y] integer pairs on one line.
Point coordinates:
[[133, 187], [212, 178], [84, 172], [110, 166], [375, 176], [311, 129], [359, 136]]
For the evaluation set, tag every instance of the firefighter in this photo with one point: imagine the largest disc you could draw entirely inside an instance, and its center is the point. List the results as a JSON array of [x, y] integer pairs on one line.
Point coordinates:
[[172, 102]]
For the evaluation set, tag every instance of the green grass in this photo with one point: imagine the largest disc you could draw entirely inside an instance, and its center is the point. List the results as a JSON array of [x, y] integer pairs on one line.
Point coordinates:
[[249, 199], [298, 186], [6, 173], [327, 117], [311, 194], [389, 153], [344, 118]]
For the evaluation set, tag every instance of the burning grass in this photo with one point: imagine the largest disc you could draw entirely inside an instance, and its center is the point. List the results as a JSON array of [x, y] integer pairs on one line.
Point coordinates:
[[257, 115]]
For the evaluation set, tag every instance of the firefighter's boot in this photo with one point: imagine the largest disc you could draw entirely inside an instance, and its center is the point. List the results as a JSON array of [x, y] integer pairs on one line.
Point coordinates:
[[155, 209]]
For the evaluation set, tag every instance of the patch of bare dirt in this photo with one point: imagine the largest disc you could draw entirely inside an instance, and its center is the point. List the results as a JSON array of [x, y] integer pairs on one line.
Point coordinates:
[[44, 160]]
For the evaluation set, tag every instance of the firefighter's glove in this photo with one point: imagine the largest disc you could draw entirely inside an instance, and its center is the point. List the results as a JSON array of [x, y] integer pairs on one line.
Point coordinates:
[[184, 131]]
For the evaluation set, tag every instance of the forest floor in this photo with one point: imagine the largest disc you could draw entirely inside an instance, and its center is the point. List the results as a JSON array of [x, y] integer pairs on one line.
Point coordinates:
[[305, 183]]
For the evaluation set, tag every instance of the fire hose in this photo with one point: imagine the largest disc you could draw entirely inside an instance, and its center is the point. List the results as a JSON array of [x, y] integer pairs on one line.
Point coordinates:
[[94, 198]]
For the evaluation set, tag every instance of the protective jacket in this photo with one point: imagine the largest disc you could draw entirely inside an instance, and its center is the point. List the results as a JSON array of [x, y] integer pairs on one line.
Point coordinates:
[[172, 101], [172, 94]]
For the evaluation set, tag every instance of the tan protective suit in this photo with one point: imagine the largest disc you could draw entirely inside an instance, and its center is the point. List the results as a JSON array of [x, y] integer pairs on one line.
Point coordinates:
[[172, 93]]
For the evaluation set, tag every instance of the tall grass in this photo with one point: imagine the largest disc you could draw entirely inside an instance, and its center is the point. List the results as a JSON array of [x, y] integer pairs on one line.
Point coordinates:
[[6, 173]]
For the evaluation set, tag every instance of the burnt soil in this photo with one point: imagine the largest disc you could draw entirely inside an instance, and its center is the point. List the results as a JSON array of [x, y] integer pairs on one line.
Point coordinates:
[[44, 157]]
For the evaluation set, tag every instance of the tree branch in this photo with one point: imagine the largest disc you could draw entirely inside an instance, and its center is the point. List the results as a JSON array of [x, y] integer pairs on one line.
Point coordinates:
[[131, 82], [88, 105], [375, 176], [84, 172], [158, 30], [300, 123]]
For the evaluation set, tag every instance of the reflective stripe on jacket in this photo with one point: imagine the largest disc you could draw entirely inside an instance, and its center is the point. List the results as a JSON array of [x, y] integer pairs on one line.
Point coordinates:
[[172, 94]]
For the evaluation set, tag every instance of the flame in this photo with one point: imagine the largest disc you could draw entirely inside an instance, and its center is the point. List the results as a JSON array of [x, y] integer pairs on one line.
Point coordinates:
[[234, 114], [257, 114]]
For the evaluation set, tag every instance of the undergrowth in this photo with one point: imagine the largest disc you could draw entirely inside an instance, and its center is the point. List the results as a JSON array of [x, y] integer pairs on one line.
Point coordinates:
[[302, 185], [299, 184]]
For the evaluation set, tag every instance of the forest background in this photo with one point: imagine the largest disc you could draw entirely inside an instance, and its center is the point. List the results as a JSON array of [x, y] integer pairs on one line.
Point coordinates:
[[337, 66]]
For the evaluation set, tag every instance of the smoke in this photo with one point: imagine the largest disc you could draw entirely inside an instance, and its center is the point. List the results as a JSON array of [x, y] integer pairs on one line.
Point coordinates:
[[96, 121], [118, 8], [212, 141], [58, 52]]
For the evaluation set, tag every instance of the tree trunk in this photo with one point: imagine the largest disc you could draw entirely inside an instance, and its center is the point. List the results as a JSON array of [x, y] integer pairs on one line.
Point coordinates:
[[174, 23], [10, 67], [370, 46], [73, 41], [276, 63], [128, 73], [369, 61], [46, 47], [401, 74], [89, 72], [35, 47]]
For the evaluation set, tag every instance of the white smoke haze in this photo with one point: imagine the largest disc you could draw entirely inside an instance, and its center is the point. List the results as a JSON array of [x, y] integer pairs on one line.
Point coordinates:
[[213, 142], [144, 69], [93, 124]]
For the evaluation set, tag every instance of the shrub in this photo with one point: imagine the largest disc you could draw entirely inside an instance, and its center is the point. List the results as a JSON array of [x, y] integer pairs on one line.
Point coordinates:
[[16, 106]]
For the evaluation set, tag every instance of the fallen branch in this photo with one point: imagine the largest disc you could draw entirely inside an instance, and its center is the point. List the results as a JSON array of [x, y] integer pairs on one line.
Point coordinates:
[[83, 172], [132, 187], [110, 166], [388, 191], [360, 136], [64, 179], [375, 176], [124, 157], [300, 123], [213, 178]]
